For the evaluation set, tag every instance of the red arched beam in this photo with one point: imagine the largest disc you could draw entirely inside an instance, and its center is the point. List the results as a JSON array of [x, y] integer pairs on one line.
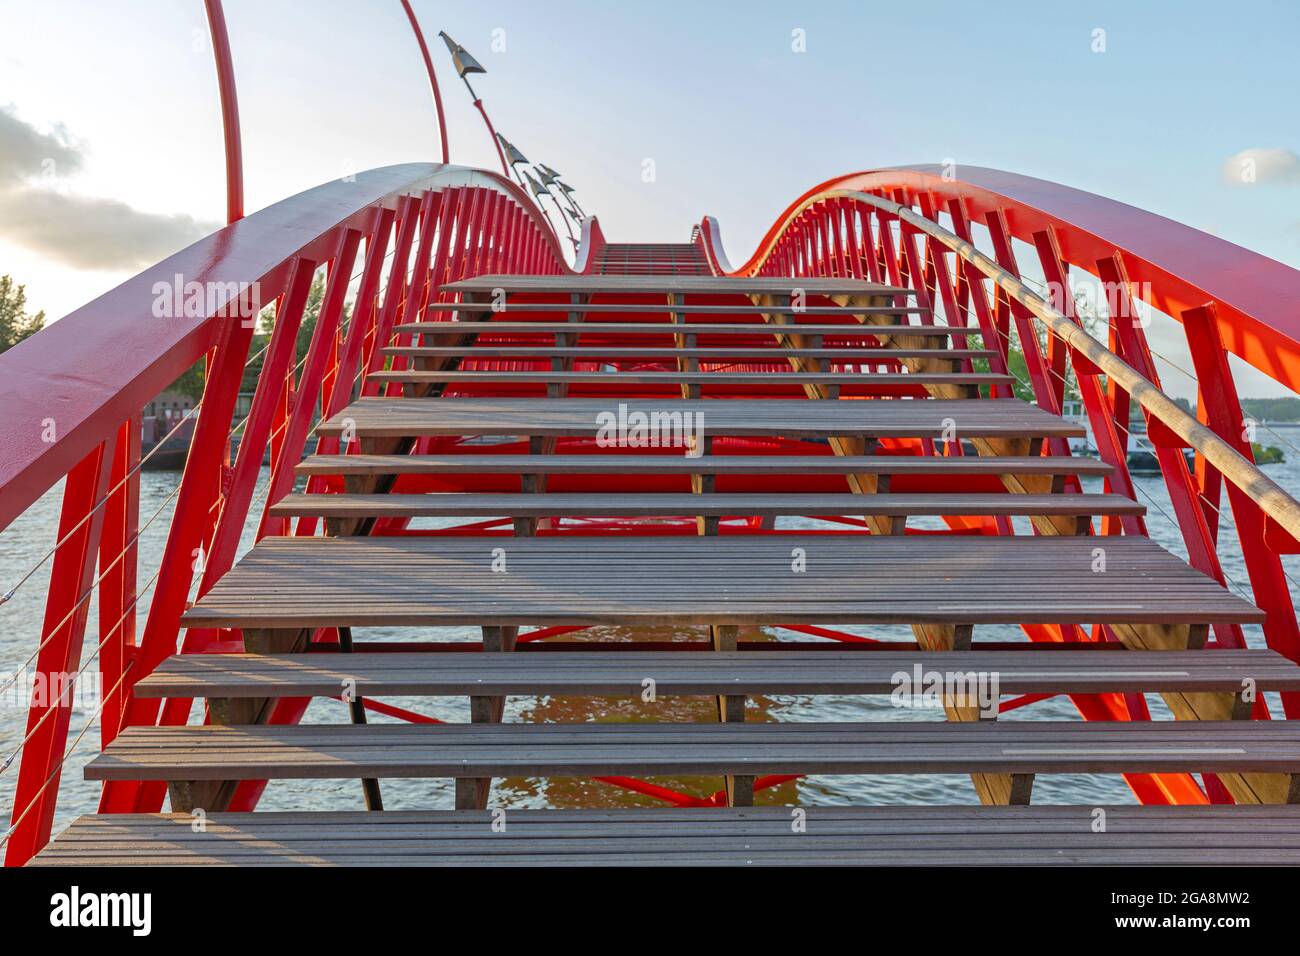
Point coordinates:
[[229, 111], [1182, 268], [433, 79]]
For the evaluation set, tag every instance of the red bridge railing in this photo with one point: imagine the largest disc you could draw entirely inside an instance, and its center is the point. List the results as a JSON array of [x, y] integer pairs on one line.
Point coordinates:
[[384, 241], [919, 227]]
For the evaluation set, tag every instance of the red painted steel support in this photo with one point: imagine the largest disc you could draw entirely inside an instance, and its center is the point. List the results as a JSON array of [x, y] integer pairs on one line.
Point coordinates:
[[209, 486], [199, 493], [327, 324], [229, 111], [928, 277], [118, 562], [1267, 578], [394, 292], [1201, 553], [67, 607], [433, 78]]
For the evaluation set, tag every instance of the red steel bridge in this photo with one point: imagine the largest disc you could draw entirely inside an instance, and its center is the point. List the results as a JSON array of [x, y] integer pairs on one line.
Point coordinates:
[[626, 442]]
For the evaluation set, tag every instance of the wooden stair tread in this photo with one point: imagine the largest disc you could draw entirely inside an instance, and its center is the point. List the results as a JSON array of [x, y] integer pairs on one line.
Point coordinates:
[[346, 751], [625, 308], [788, 418], [722, 672], [671, 285], [451, 504], [770, 353], [849, 330], [639, 377], [690, 836], [726, 579], [614, 463]]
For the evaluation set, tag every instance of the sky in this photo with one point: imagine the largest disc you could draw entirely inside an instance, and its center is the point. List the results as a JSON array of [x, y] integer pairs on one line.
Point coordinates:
[[110, 129]]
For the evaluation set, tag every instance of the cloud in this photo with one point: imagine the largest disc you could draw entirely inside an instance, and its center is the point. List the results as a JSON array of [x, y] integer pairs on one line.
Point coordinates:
[[26, 152], [93, 233], [87, 232], [1261, 166]]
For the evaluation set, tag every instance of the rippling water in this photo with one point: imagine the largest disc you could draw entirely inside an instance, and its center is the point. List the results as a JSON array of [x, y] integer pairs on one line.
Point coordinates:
[[29, 538]]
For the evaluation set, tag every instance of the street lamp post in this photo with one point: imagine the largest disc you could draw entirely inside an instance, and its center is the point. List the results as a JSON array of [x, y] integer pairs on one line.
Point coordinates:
[[568, 194], [511, 158], [551, 178], [539, 191], [465, 65]]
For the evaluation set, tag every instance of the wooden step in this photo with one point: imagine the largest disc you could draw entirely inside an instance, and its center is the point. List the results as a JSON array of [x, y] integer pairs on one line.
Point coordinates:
[[670, 464], [672, 285], [637, 308], [690, 836], [637, 377], [847, 330], [772, 353], [1008, 418], [350, 751], [576, 673], [715, 504], [850, 578]]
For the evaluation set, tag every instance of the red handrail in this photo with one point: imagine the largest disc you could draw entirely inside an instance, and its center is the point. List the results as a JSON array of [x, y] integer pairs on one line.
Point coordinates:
[[1254, 295]]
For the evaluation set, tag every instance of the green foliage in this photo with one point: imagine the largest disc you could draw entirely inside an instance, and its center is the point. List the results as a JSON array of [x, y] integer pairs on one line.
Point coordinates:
[[191, 382], [15, 322], [1272, 409], [1267, 454], [1018, 367]]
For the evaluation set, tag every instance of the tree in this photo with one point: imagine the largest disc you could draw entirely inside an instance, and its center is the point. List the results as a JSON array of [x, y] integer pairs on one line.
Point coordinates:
[[191, 383], [15, 323]]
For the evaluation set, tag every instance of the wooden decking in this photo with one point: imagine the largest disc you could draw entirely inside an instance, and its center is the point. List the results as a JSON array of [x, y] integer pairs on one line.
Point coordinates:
[[676, 464], [670, 285], [540, 505], [713, 836], [922, 487], [575, 673], [847, 379], [589, 353], [842, 333], [731, 579], [357, 751], [1007, 418]]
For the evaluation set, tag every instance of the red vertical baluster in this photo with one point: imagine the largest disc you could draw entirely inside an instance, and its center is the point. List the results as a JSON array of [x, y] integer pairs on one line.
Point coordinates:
[[118, 562], [1219, 394], [67, 605], [319, 352]]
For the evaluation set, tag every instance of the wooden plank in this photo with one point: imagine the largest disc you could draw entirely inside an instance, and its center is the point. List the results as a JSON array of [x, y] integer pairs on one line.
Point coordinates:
[[794, 418], [604, 353], [665, 504], [940, 835], [671, 284], [851, 330], [349, 751], [640, 308], [728, 579], [637, 377], [676, 464], [731, 672]]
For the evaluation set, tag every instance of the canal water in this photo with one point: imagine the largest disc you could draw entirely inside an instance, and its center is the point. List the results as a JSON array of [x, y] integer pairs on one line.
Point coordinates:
[[28, 540]]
